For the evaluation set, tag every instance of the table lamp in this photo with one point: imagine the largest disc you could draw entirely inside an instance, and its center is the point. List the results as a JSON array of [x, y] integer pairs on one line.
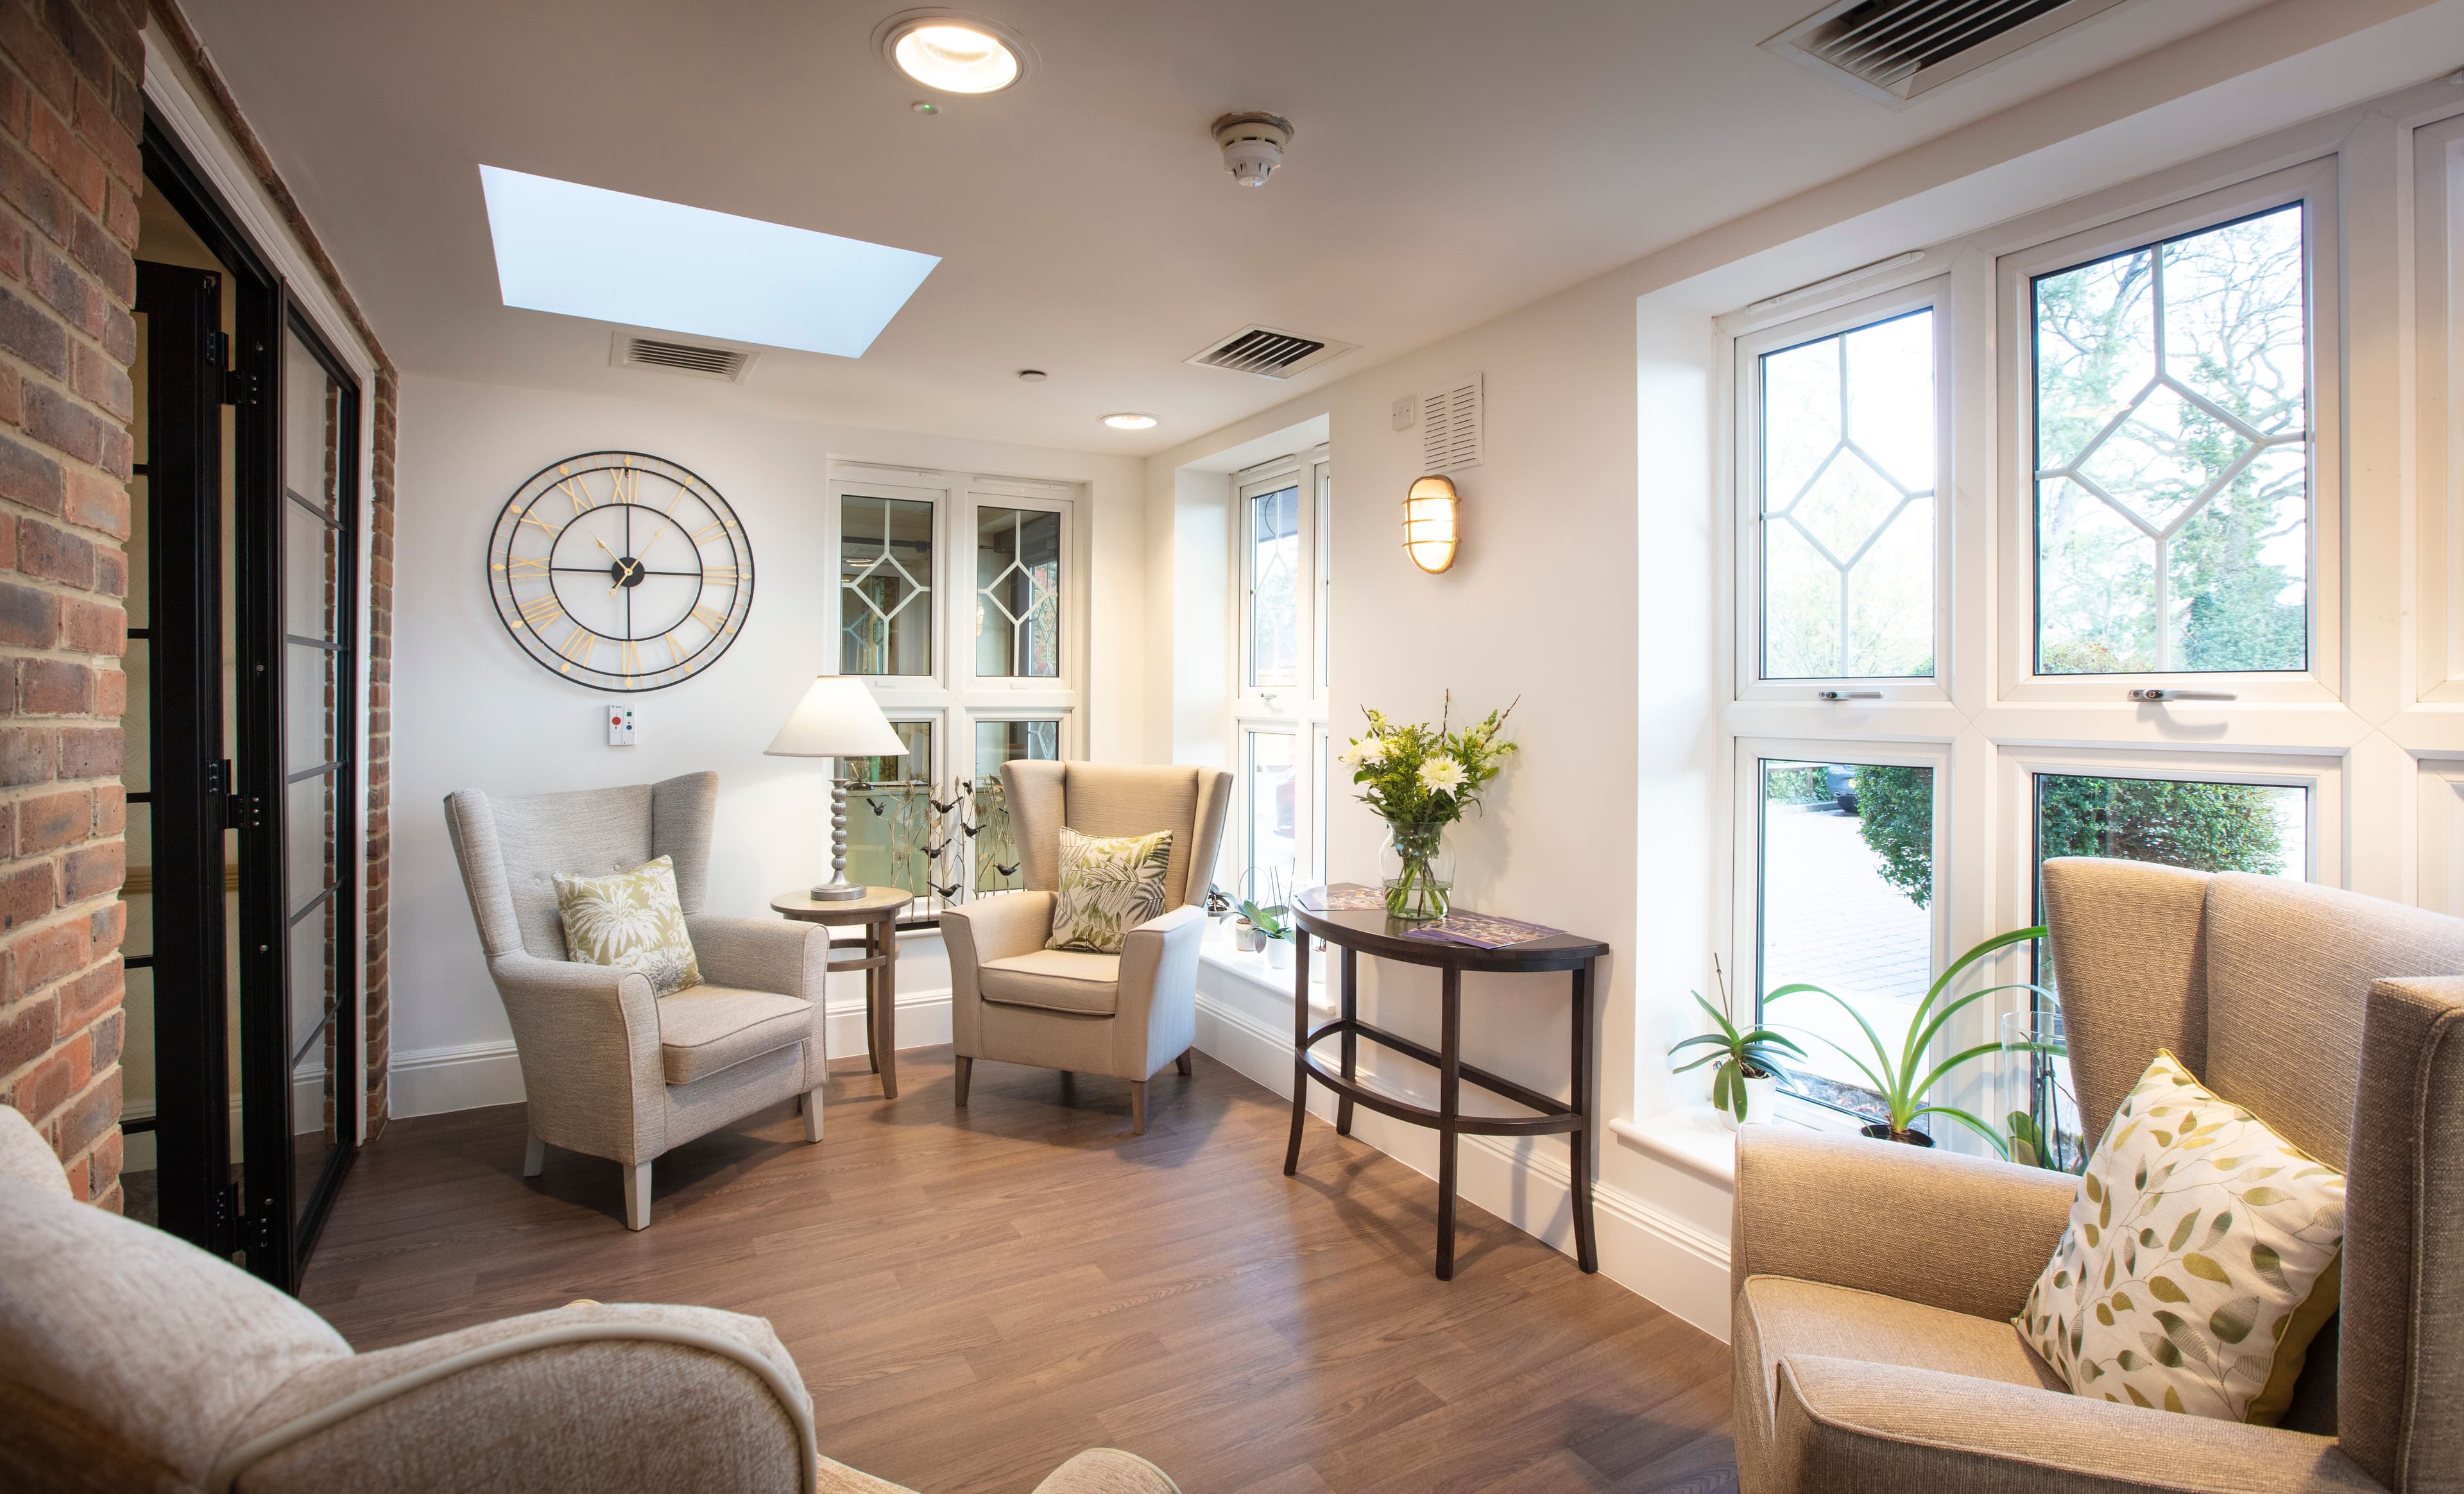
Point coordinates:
[[837, 718]]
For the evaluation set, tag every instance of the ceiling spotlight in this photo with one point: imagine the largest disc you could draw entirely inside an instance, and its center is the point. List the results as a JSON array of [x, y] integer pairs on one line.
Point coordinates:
[[925, 106], [1032, 376], [956, 53], [1252, 144], [1130, 421]]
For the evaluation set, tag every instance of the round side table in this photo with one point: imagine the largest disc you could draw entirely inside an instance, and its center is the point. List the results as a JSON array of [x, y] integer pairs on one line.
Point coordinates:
[[877, 910]]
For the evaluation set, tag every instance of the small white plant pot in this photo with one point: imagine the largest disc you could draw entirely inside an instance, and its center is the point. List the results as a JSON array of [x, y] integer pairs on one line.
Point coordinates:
[[1245, 936], [1279, 953], [1761, 1103]]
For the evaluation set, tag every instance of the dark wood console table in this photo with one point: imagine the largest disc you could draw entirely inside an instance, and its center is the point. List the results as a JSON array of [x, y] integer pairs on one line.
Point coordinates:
[[1358, 934]]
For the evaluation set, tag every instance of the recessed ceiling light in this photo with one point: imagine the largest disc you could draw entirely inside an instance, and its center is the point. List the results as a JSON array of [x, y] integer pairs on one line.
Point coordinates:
[[586, 252], [1128, 420], [956, 53]]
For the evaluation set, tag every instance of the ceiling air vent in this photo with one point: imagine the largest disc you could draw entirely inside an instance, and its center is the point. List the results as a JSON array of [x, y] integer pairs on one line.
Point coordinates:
[[1450, 426], [631, 351], [1269, 353], [1897, 51]]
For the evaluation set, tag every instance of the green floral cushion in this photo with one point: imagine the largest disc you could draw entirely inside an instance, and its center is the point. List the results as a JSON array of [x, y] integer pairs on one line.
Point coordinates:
[[2204, 1253], [1109, 885], [631, 921]]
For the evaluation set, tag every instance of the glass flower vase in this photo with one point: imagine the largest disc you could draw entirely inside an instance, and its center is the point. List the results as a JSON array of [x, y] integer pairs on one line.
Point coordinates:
[[1418, 868]]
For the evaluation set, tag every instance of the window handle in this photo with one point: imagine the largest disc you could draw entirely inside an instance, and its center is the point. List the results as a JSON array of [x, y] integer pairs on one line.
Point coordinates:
[[1847, 695], [2160, 694]]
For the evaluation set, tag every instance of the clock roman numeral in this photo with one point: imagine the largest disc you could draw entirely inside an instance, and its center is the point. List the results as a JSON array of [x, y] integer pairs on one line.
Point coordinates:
[[577, 646], [708, 619], [541, 610]]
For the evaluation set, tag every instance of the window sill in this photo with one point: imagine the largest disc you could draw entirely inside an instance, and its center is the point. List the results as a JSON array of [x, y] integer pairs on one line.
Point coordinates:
[[1695, 1139], [1252, 967]]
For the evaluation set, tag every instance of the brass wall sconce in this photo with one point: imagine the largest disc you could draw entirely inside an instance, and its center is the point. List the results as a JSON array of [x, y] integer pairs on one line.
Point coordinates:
[[1429, 535]]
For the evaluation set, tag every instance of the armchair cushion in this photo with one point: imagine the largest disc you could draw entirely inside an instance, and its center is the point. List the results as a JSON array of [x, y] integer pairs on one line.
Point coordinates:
[[1109, 885], [1056, 981], [629, 921], [712, 1027]]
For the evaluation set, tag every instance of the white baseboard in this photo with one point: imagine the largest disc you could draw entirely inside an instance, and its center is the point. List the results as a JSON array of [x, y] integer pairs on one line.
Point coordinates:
[[433, 1081], [1643, 1249]]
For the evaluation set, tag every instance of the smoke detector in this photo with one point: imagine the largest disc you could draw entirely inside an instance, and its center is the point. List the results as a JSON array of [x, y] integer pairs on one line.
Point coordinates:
[[1252, 144]]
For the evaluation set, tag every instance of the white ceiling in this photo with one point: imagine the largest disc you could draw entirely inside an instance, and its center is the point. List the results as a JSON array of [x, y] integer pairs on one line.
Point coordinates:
[[1454, 158]]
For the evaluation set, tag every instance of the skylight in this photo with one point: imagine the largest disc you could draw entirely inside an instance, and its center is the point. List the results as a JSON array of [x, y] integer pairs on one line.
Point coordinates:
[[586, 252]]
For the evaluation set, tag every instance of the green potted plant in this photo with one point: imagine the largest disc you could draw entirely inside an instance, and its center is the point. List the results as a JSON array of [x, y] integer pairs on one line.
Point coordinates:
[[1748, 1078], [1273, 928], [1420, 779], [1902, 1079]]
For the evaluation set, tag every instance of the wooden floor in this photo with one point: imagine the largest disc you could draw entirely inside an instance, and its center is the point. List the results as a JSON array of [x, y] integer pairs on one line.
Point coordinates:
[[974, 1296]]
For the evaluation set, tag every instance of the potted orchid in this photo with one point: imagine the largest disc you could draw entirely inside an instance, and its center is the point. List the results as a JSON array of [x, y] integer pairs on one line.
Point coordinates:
[[1420, 779]]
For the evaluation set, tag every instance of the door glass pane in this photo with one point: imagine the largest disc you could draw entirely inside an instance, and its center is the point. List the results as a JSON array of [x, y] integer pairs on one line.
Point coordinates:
[[1848, 457], [315, 732], [889, 815], [886, 581], [1273, 843], [1018, 593], [996, 843], [2173, 456], [2261, 828], [1275, 588], [1847, 860]]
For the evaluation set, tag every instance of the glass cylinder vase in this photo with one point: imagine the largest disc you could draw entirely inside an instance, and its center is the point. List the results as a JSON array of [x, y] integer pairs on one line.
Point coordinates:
[[1418, 868]]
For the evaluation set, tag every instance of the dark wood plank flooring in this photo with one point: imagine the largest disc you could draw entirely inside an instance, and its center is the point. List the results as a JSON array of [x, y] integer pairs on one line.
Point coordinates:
[[974, 1296]]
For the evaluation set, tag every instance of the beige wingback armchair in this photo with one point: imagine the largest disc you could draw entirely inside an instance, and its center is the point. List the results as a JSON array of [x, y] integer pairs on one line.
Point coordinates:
[[609, 1069], [133, 1360], [1125, 1014], [1873, 1282]]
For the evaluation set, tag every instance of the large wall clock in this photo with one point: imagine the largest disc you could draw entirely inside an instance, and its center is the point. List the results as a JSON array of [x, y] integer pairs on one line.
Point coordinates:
[[621, 571]]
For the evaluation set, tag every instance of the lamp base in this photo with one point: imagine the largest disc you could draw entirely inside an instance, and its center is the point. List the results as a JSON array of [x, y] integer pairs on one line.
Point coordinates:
[[837, 892]]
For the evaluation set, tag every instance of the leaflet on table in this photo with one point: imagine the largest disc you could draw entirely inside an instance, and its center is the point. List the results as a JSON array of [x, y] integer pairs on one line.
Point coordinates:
[[1342, 897], [1480, 931]]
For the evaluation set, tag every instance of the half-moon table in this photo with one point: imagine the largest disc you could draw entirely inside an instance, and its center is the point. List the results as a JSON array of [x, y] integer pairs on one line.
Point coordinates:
[[877, 910], [1358, 934]]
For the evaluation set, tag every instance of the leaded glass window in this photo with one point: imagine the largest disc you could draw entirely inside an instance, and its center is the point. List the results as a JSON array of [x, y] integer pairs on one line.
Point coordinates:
[[2172, 455], [1018, 593], [996, 842], [889, 814], [1275, 589], [886, 586], [1848, 503]]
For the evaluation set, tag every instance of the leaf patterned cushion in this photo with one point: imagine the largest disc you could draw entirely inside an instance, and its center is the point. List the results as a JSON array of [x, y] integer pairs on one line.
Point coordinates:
[[2204, 1253], [631, 921], [1109, 885]]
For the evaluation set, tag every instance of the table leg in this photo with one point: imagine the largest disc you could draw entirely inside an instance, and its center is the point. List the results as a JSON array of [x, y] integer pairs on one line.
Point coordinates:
[[885, 1042], [1300, 1049], [1587, 1246], [1449, 1111], [1351, 1039], [871, 1003]]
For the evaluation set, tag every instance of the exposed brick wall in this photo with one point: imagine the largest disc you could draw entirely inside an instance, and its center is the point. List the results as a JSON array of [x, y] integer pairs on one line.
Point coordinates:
[[71, 116], [173, 32]]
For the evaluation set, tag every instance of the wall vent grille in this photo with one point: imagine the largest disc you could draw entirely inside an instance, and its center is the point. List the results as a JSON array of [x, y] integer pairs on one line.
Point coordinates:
[[1897, 51], [1268, 352], [631, 351], [1450, 422]]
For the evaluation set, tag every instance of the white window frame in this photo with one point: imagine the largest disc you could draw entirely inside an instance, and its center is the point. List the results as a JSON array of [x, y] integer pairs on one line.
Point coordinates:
[[953, 696], [2313, 184], [1299, 710], [1749, 338]]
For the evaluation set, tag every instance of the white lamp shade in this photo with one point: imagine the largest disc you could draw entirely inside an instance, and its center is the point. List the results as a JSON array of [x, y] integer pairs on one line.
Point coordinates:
[[837, 718]]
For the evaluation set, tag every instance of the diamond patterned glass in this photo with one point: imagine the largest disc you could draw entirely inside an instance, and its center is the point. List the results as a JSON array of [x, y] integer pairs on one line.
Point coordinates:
[[885, 578], [1275, 589], [1848, 504], [995, 842], [2173, 456], [1018, 593]]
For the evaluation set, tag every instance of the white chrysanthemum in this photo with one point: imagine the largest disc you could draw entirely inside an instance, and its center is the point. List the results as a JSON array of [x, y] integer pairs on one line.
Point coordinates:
[[1366, 753], [1441, 775]]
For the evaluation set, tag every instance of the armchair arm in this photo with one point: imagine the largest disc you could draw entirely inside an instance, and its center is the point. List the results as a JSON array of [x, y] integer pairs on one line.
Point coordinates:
[[760, 954], [608, 1397], [993, 928], [1846, 1426], [1107, 1470], [588, 1039], [1965, 1233], [1157, 1014]]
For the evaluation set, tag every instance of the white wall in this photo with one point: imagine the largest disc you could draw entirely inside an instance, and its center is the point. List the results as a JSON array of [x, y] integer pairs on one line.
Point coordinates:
[[1586, 585], [472, 711]]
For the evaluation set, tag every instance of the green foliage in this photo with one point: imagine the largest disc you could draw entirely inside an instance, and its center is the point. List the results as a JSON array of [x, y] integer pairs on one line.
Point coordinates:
[[1895, 819], [1742, 1055], [2204, 826], [1803, 785], [1426, 775], [1900, 1079], [1268, 920]]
